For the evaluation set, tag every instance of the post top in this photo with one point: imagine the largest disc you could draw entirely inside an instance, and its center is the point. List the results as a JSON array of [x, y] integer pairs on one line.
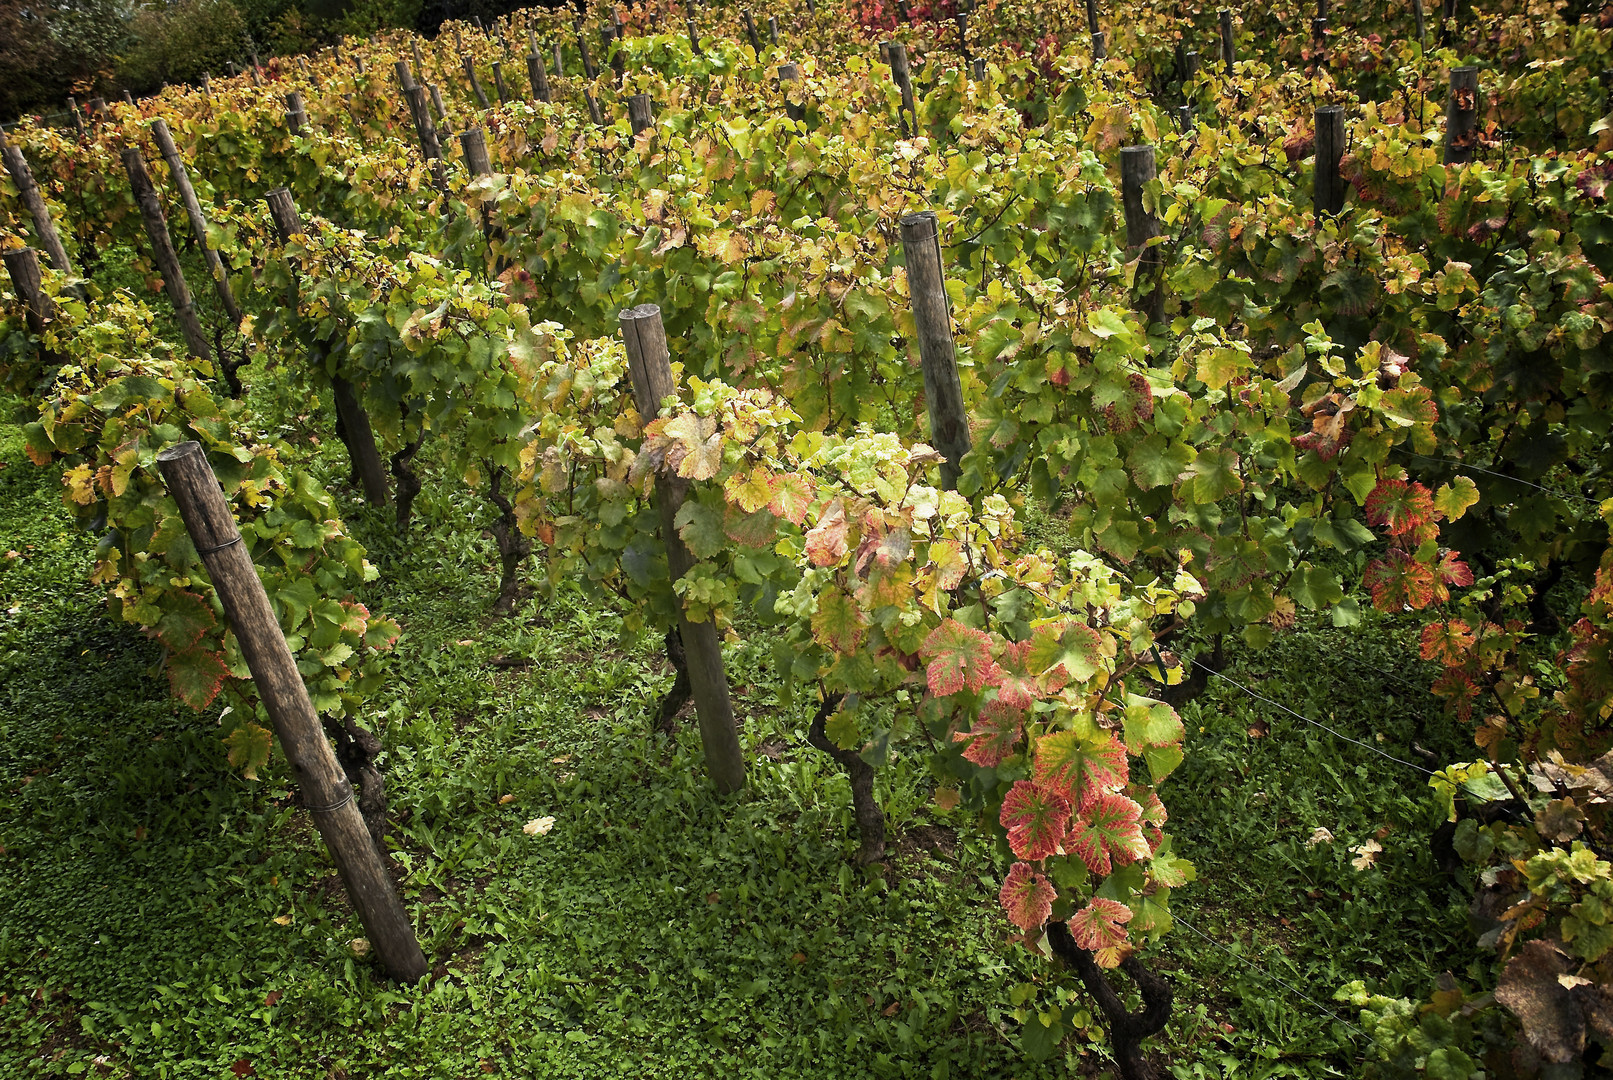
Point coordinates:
[[642, 311], [1137, 151], [179, 451]]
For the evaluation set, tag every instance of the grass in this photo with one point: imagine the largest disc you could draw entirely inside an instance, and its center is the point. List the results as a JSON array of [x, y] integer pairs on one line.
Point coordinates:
[[162, 917]]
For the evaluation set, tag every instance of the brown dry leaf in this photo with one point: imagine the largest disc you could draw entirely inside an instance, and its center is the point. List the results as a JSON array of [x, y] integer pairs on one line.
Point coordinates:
[[1552, 1020], [505, 800], [946, 799]]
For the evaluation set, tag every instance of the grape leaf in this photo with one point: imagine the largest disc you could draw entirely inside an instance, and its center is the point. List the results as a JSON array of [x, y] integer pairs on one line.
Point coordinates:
[[1108, 833], [701, 441], [1078, 651], [1169, 869], [1036, 819], [792, 497], [1150, 723], [701, 527], [757, 529], [992, 737], [1447, 642], [196, 676], [958, 656], [1100, 925], [185, 618], [1452, 500], [750, 492], [837, 624], [826, 541], [1213, 476], [1399, 507], [249, 748], [1398, 581], [1082, 769], [950, 565], [1027, 897]]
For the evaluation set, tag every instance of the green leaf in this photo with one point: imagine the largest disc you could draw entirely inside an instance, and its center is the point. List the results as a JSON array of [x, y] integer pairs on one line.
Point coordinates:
[[1150, 723], [1078, 651], [842, 727], [701, 528], [185, 618], [1157, 462], [837, 624], [249, 748], [1452, 500], [1213, 476], [1315, 587]]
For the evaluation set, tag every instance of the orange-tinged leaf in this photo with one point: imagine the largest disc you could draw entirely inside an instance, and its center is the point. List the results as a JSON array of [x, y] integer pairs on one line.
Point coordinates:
[[1036, 819], [826, 541], [957, 656], [1081, 769], [1108, 833], [992, 736], [1027, 897], [791, 497], [185, 618], [1100, 925], [196, 676]]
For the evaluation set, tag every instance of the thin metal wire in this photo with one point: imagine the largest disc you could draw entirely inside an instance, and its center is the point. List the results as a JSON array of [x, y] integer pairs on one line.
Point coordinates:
[[1291, 988], [1314, 723], [1565, 495]]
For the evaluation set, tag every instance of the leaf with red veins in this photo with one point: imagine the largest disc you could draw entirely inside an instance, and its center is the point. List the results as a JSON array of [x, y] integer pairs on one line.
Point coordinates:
[[1108, 833], [1081, 769], [826, 541], [993, 736], [1153, 810], [791, 497], [1399, 506], [196, 676], [1100, 925], [958, 656], [1036, 820], [1016, 687], [1398, 581], [1447, 642], [1453, 571], [1027, 897]]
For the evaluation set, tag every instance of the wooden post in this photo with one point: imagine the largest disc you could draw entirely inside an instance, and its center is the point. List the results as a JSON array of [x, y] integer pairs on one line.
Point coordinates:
[[98, 107], [198, 222], [639, 114], [932, 317], [588, 69], [405, 76], [475, 86], [559, 62], [902, 76], [78, 117], [649, 365], [162, 251], [362, 68], [1092, 17], [231, 67], [414, 96], [901, 9], [325, 790], [477, 159], [1190, 69], [1329, 185], [1461, 115], [355, 422], [419, 61], [302, 66], [594, 113], [750, 32], [498, 83], [1229, 49], [772, 29], [28, 191], [1136, 170], [537, 76], [979, 68], [436, 102], [1100, 46], [1319, 31], [1184, 117], [128, 98], [207, 84], [694, 36], [961, 20], [23, 266], [296, 115], [788, 73], [1417, 13]]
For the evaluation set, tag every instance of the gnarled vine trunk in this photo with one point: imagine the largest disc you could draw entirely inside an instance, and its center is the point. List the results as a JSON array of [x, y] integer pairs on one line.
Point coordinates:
[[404, 480], [1127, 1030], [870, 818], [513, 548], [356, 750], [666, 715]]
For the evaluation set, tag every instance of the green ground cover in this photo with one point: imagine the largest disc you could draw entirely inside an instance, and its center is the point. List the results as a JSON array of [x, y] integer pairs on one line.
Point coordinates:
[[161, 916]]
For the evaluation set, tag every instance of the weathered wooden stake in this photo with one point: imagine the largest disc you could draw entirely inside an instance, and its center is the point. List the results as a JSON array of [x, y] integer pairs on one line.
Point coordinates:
[[559, 62], [639, 114], [1329, 184], [902, 76], [207, 84], [932, 317], [296, 115], [1190, 68], [1461, 116], [1092, 17], [979, 65], [28, 191], [1417, 13], [537, 76], [1229, 48], [750, 32], [594, 112], [419, 61], [355, 422], [1100, 46], [694, 36], [29, 286], [436, 102], [588, 69], [475, 85], [198, 228], [162, 251], [498, 83], [128, 98], [1136, 170], [772, 29], [326, 792], [649, 365], [788, 73]]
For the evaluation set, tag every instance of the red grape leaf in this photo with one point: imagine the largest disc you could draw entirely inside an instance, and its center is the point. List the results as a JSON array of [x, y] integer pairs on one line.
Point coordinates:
[[792, 497], [1447, 642], [1400, 507], [1027, 897], [1398, 581], [1035, 818], [992, 737], [1108, 833], [958, 656], [826, 541], [185, 618], [1100, 925]]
